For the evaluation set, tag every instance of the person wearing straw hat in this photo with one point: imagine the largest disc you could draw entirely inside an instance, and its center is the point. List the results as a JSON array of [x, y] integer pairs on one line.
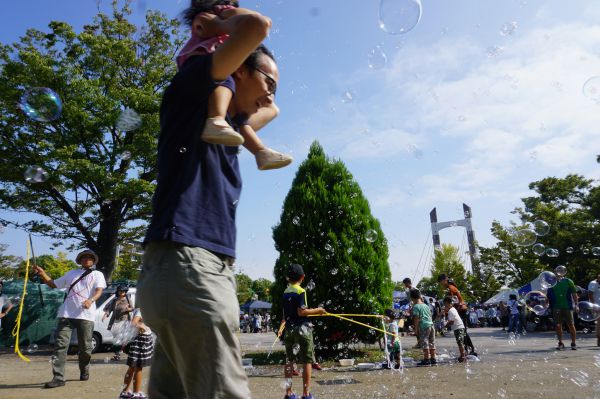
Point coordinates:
[[83, 288]]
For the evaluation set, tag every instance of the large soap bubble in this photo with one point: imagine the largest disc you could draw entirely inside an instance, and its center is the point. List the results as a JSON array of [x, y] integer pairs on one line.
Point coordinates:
[[128, 120], [596, 251], [537, 302], [539, 249], [41, 104], [560, 270], [591, 88], [541, 228], [399, 16], [524, 237], [124, 332], [377, 58], [588, 311], [547, 280]]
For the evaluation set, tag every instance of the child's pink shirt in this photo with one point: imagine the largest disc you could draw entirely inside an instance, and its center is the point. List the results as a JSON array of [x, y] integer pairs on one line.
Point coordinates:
[[199, 45]]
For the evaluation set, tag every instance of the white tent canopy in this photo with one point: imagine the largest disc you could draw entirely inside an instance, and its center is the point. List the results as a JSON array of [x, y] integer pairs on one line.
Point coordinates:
[[503, 296]]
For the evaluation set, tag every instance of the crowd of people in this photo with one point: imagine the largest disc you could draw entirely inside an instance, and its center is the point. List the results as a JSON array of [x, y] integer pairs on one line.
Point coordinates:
[[256, 322]]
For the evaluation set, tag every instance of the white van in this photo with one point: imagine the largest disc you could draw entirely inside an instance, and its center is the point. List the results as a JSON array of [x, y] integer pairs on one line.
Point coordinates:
[[101, 337]]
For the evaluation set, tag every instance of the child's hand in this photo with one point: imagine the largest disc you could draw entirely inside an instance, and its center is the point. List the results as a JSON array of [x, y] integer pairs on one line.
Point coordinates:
[[204, 25]]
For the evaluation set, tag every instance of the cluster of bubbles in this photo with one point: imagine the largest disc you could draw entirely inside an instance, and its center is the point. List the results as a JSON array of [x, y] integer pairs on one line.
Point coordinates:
[[124, 332], [527, 236], [509, 28], [35, 174]]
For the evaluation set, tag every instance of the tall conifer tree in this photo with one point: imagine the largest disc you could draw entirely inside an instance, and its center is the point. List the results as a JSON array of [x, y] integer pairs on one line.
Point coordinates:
[[326, 226]]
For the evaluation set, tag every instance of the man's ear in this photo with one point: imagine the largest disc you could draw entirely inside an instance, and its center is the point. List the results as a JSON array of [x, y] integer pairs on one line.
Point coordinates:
[[240, 72]]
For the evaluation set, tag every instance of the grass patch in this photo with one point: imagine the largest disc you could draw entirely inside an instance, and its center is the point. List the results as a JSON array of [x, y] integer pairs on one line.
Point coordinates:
[[361, 356]]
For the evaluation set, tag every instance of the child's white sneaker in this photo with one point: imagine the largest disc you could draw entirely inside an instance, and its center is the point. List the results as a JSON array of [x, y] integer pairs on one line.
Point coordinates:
[[270, 159], [218, 131]]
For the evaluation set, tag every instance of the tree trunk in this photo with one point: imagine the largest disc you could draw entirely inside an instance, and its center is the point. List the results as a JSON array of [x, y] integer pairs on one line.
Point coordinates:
[[108, 239]]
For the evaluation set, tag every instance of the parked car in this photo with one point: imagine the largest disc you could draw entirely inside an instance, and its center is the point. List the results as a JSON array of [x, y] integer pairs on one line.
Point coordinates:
[[101, 337]]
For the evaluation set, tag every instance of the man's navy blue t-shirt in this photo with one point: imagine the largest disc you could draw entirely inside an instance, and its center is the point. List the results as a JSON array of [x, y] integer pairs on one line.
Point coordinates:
[[199, 184]]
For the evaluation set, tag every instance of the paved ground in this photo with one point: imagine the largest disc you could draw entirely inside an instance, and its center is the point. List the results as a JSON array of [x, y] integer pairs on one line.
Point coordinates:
[[529, 367]]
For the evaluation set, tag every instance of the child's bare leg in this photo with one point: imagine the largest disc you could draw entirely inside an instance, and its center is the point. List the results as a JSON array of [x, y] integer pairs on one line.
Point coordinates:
[[251, 140], [128, 378], [426, 354], [306, 374], [288, 372], [218, 102], [137, 381], [266, 158], [217, 130], [462, 351]]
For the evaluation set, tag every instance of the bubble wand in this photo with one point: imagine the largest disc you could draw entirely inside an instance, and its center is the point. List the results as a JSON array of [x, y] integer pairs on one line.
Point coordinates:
[[17, 329], [279, 332]]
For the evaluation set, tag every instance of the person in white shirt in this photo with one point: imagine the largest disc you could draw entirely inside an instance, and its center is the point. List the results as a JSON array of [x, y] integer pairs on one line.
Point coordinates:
[[83, 288], [5, 303], [456, 324], [594, 296]]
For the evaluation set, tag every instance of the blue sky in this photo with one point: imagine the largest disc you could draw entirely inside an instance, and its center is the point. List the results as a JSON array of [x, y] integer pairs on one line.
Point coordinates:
[[458, 113]]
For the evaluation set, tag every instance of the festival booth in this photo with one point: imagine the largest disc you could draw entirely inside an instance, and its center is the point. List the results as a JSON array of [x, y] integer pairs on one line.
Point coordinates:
[[502, 296]]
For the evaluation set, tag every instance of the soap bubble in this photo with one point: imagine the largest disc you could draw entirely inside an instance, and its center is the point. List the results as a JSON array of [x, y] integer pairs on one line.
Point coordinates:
[[41, 104], [539, 249], [524, 237], [588, 311], [552, 253], [32, 348], [182, 150], [399, 16], [541, 228], [334, 271], [585, 250], [596, 251], [310, 286], [296, 349], [509, 28], [371, 235], [377, 58], [128, 120], [560, 270], [126, 155], [547, 280], [36, 174], [296, 220], [569, 250], [591, 88], [537, 302], [286, 383]]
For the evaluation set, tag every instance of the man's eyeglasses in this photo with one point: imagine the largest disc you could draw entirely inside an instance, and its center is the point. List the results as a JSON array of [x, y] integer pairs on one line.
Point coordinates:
[[271, 83]]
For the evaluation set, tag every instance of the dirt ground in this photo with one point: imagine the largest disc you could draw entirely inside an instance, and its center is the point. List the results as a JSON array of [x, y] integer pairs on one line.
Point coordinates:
[[529, 367]]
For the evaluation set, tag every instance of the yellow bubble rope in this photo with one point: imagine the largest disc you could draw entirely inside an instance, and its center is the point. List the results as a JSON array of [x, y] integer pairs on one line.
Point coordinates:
[[17, 328], [341, 316]]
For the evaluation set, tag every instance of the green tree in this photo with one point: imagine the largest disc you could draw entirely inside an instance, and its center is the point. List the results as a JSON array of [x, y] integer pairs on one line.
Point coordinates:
[[446, 261], [326, 226], [244, 288], [9, 264], [94, 193], [129, 262], [262, 288], [571, 207]]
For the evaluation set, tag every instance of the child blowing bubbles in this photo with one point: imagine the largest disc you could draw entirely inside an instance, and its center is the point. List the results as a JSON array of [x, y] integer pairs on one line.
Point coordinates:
[[457, 325], [210, 21], [299, 346], [423, 325]]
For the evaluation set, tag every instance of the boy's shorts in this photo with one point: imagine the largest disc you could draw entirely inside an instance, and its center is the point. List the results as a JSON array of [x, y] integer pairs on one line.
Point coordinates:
[[299, 346], [427, 338], [459, 334], [563, 316]]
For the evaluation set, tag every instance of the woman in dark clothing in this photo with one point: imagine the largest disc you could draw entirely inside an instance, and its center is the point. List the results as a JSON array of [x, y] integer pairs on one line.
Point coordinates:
[[119, 310]]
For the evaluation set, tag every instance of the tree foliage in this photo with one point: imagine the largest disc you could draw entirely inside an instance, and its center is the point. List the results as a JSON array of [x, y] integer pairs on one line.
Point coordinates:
[[326, 226], [571, 206], [244, 287], [94, 194]]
